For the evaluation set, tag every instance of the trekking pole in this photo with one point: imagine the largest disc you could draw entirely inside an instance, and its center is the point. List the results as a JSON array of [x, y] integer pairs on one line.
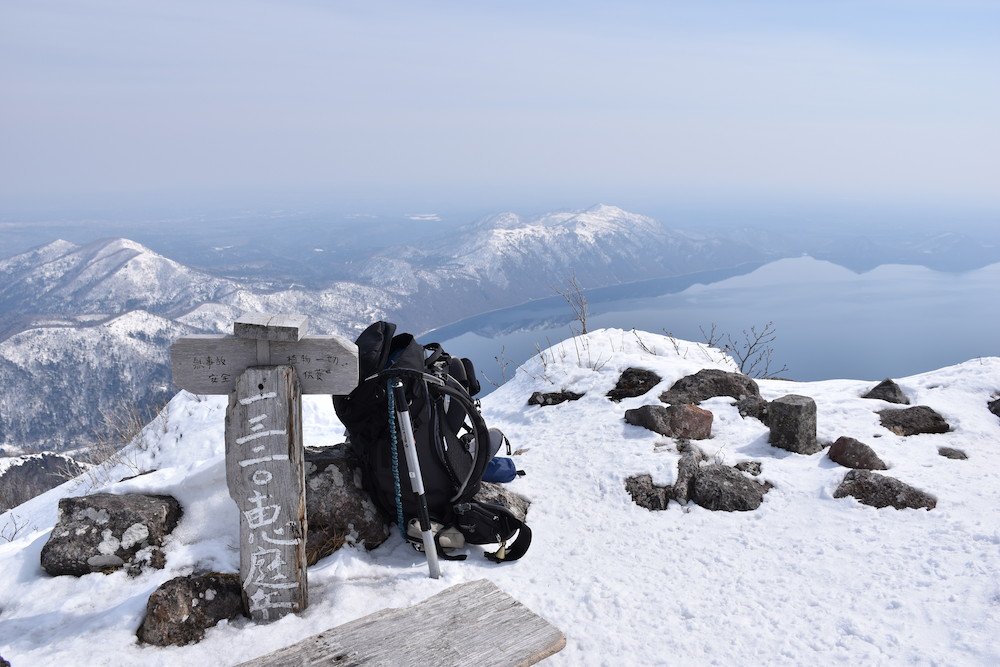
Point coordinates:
[[416, 481]]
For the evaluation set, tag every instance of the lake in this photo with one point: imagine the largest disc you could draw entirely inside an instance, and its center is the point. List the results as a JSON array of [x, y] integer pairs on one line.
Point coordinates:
[[829, 321]]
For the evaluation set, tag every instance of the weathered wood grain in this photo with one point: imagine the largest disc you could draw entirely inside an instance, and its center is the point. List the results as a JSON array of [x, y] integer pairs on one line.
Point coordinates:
[[285, 328], [474, 623], [266, 477], [209, 364]]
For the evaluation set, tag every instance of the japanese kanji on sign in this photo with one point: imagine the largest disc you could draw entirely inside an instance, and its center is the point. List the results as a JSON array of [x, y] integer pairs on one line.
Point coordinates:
[[265, 368]]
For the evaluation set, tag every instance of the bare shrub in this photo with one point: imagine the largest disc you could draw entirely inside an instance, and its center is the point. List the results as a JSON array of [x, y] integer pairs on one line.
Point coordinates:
[[109, 447], [753, 353], [574, 296], [12, 526]]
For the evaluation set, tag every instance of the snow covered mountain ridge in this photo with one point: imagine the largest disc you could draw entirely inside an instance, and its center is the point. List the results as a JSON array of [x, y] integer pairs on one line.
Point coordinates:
[[66, 343]]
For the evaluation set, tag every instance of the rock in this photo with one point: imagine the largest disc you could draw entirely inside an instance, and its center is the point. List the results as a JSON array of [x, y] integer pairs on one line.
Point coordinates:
[[180, 610], [675, 421], [994, 406], [27, 476], [721, 488], [688, 468], [792, 421], [498, 494], [553, 398], [753, 406], [646, 494], [749, 467], [852, 453], [708, 383], [338, 508], [882, 491], [105, 532], [633, 382], [887, 390], [3, 663], [913, 421], [952, 453]]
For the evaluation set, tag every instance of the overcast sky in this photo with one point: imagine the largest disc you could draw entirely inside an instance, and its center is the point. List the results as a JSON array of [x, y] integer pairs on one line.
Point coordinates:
[[499, 104]]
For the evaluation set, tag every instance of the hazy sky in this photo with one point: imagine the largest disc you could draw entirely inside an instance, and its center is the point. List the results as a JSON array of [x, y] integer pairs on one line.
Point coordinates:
[[501, 104]]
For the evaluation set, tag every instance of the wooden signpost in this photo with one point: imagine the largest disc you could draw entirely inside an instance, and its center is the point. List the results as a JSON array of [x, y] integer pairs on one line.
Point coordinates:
[[265, 368]]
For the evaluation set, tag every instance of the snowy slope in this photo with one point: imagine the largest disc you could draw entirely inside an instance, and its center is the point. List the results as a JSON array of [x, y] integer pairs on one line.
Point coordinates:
[[805, 579]]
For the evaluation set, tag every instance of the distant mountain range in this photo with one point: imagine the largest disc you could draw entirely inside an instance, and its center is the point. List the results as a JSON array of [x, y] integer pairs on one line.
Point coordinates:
[[86, 329]]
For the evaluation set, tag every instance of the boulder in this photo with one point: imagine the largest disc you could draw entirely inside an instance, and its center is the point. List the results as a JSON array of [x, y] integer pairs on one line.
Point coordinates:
[[646, 494], [753, 406], [913, 421], [104, 532], [883, 491], [687, 469], [994, 406], [180, 610], [338, 508], [952, 453], [852, 453], [709, 383], [675, 421], [722, 488], [553, 398], [792, 420], [888, 390], [633, 382]]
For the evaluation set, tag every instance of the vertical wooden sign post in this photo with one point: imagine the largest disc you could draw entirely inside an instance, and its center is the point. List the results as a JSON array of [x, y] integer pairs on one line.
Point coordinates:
[[265, 368]]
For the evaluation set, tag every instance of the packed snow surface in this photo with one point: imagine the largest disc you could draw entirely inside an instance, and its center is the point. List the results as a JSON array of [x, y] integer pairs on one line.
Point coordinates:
[[806, 579]]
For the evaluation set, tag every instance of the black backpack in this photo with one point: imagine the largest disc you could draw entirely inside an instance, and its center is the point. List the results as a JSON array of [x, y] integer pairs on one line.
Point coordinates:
[[452, 441]]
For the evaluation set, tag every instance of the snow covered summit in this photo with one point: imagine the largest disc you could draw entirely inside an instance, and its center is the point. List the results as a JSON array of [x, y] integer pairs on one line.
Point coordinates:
[[805, 579]]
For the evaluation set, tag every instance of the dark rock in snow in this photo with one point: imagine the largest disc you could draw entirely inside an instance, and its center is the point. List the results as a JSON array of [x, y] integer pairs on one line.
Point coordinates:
[[709, 383], [913, 421], [994, 406], [633, 382], [553, 398], [852, 453], [105, 532], [952, 453], [792, 421], [180, 610], [675, 421], [687, 469], [646, 494], [888, 390], [753, 406], [338, 508], [721, 488], [3, 663], [882, 491]]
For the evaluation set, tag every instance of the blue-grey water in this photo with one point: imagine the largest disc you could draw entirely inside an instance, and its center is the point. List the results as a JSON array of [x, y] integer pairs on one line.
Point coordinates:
[[829, 322]]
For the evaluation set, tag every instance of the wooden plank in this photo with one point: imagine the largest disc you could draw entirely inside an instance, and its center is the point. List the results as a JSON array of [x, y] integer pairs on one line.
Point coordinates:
[[285, 328], [474, 623], [265, 471], [209, 364]]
